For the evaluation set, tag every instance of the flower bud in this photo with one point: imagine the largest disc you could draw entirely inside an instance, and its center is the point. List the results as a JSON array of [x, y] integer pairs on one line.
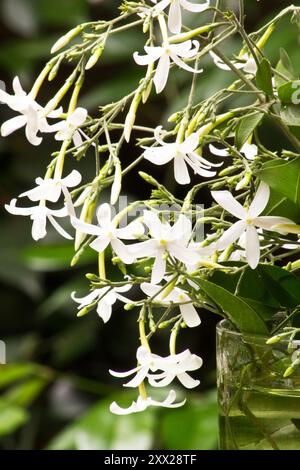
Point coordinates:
[[64, 40], [94, 58]]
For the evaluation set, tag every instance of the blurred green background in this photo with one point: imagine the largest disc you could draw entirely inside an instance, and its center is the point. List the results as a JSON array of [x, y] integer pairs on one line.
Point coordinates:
[[55, 389]]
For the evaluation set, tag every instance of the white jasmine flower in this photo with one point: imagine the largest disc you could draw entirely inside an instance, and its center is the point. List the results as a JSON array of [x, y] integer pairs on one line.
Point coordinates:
[[106, 297], [247, 63], [250, 220], [178, 296], [164, 55], [166, 239], [39, 216], [50, 189], [175, 15], [32, 114], [68, 129], [174, 365], [142, 404], [249, 150], [183, 155], [107, 233]]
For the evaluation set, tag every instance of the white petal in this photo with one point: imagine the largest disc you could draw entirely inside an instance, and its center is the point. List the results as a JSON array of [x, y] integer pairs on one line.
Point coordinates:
[[88, 299], [153, 223], [183, 65], [121, 375], [13, 209], [13, 124], [138, 379], [194, 7], [32, 127], [104, 310], [77, 139], [249, 150], [132, 231], [162, 73], [39, 221], [104, 215], [143, 249], [159, 268], [78, 117], [252, 247], [100, 243], [160, 155], [190, 315], [250, 66], [150, 289], [260, 200], [269, 222], [72, 180], [181, 173], [219, 152], [17, 87], [133, 408], [231, 235], [122, 251], [174, 18], [168, 402], [218, 62], [160, 6], [58, 228], [190, 144], [83, 227], [227, 202], [187, 381]]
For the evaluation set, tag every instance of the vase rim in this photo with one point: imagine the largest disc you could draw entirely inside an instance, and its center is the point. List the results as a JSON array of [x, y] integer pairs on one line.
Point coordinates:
[[225, 326]]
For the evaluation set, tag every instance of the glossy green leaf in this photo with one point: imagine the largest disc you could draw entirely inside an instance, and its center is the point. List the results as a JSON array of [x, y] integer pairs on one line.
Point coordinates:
[[245, 318], [264, 77], [284, 177], [14, 372], [290, 114], [245, 128], [11, 418], [289, 92]]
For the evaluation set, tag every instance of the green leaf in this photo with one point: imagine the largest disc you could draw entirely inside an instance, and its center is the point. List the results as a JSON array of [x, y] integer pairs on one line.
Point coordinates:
[[99, 429], [290, 114], [53, 257], [198, 425], [286, 62], [283, 177], [283, 285], [11, 418], [279, 205], [264, 77], [290, 92], [13, 372], [285, 68], [245, 128], [25, 393], [243, 317]]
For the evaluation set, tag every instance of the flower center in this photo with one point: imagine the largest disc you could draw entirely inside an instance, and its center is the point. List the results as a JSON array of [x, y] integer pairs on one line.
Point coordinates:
[[163, 243]]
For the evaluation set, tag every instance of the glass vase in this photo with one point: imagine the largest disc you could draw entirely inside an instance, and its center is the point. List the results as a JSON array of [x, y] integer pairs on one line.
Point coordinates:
[[259, 409]]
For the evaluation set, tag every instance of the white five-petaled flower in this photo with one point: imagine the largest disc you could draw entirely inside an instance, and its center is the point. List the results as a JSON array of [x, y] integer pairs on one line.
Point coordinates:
[[166, 239], [175, 15], [183, 154], [249, 150], [174, 365], [164, 54], [50, 189], [68, 129], [105, 298], [250, 220], [143, 403], [178, 296], [39, 215], [245, 62], [108, 233], [32, 114]]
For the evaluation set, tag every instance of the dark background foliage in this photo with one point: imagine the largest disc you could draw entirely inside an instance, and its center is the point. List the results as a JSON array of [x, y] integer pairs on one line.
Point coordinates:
[[55, 389]]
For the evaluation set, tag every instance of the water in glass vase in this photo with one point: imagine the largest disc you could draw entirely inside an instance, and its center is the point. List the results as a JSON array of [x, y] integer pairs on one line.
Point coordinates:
[[258, 408]]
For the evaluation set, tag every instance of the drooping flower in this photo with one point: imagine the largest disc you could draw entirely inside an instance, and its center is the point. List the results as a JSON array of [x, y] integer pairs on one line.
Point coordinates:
[[108, 233], [250, 220], [249, 150], [105, 297], [32, 114], [166, 54], [178, 296], [174, 365], [68, 128], [165, 239], [245, 62], [175, 15], [39, 216], [183, 155], [143, 403], [50, 189]]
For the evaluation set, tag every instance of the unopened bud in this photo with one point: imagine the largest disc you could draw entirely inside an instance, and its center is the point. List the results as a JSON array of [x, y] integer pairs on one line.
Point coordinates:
[[94, 58], [64, 40]]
